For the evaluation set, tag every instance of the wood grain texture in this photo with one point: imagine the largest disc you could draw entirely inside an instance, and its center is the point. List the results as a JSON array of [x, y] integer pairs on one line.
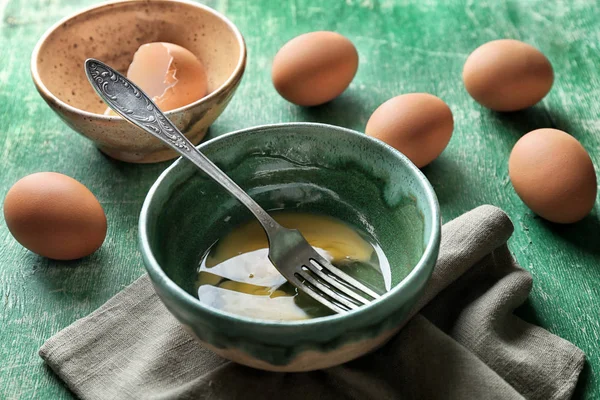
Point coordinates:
[[404, 46]]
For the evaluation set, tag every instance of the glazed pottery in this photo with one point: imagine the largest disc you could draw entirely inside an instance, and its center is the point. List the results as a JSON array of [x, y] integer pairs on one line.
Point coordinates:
[[112, 32], [303, 166]]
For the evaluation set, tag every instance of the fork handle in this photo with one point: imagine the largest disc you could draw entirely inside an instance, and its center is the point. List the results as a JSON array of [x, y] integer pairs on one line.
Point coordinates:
[[129, 101]]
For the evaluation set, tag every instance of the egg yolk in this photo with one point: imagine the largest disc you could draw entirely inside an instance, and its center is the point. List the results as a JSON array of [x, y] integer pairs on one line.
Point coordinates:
[[236, 275]]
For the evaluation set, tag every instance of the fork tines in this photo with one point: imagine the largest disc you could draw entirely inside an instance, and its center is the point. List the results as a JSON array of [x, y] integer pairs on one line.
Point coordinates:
[[331, 286]]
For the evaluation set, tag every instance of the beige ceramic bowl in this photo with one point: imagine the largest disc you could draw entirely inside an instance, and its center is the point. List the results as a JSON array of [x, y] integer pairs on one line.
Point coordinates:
[[111, 33]]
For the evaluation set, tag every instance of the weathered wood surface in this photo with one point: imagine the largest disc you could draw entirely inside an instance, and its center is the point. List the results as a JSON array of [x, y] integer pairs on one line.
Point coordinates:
[[404, 46]]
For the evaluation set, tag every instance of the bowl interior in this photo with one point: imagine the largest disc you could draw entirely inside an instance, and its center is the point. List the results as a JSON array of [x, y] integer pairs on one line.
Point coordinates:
[[312, 167], [113, 32]]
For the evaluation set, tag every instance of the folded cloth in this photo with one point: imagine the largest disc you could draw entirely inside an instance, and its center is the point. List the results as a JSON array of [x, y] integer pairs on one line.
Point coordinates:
[[461, 342]]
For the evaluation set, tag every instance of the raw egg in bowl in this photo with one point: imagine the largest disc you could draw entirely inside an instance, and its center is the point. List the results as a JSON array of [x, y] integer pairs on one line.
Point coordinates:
[[356, 199], [187, 56]]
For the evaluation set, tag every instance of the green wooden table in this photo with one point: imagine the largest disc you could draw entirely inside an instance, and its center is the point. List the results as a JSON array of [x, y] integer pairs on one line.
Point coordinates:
[[404, 46]]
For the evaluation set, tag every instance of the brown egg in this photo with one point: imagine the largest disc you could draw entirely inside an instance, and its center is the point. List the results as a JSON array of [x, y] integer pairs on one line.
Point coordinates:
[[507, 75], [419, 125], [553, 175], [170, 74], [314, 68], [55, 216]]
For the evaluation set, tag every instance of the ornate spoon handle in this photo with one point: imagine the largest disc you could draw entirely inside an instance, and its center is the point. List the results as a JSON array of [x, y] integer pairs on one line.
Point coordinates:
[[129, 101]]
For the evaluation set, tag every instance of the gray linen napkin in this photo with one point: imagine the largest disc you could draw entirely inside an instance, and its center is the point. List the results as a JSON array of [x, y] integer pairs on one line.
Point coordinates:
[[462, 342]]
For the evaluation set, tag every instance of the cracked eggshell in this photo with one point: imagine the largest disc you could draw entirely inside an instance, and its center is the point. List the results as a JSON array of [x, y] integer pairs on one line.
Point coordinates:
[[170, 74]]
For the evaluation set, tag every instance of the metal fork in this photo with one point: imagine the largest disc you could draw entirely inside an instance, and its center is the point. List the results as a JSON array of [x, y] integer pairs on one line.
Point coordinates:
[[289, 251]]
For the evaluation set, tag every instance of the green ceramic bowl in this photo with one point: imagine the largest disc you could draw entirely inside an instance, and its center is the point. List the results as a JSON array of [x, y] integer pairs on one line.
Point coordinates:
[[313, 167]]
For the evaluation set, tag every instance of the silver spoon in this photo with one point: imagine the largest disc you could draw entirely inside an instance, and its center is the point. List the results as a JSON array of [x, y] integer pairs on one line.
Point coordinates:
[[289, 251]]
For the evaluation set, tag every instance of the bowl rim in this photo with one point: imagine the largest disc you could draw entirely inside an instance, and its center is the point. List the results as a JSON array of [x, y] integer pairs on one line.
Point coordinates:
[[431, 249], [235, 75]]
